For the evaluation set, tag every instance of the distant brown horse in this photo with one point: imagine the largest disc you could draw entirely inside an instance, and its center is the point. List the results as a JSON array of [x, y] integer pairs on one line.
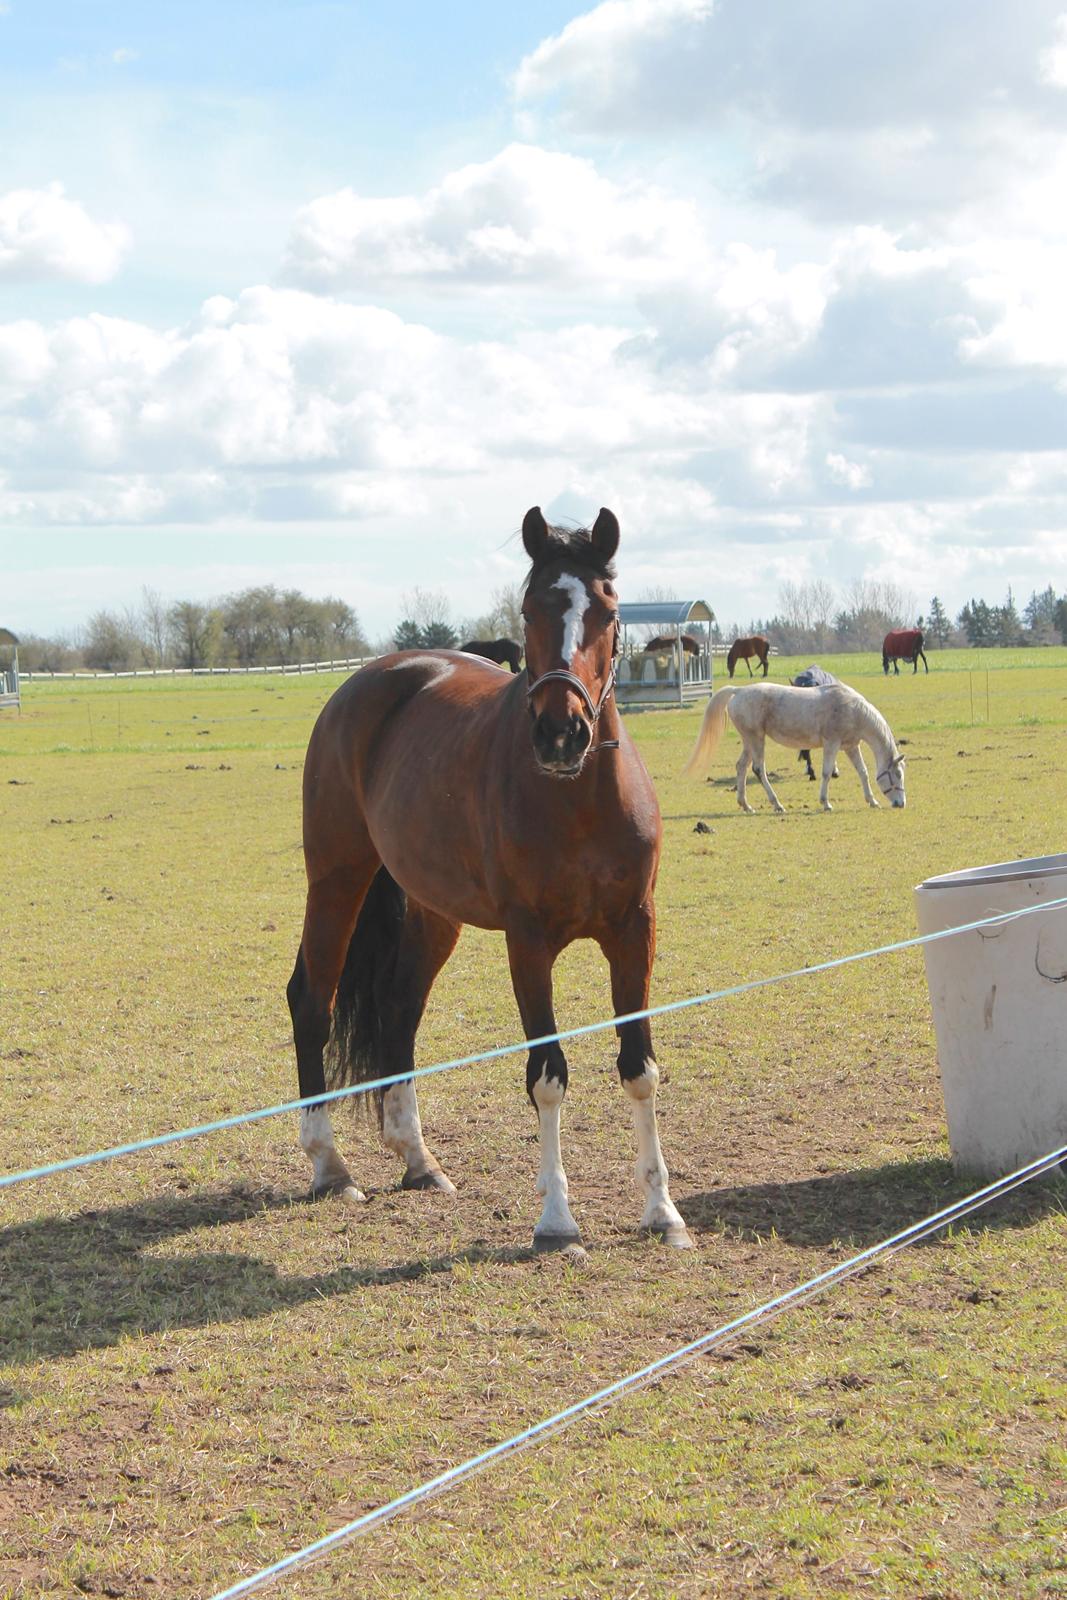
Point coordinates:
[[903, 644], [665, 642], [505, 652], [742, 649], [436, 793]]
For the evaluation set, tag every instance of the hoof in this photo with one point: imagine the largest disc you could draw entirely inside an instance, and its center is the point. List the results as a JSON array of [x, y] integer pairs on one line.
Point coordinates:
[[346, 1192], [432, 1178], [568, 1244], [676, 1235]]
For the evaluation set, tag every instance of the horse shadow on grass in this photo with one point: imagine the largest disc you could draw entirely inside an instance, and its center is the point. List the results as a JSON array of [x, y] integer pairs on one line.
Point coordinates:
[[84, 1282], [88, 1281], [859, 1209]]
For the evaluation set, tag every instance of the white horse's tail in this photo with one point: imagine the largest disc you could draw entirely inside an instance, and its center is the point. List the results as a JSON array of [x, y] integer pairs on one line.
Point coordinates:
[[710, 731]]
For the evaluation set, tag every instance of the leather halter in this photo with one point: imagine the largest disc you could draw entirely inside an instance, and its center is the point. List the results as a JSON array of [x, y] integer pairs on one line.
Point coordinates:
[[897, 761], [595, 707]]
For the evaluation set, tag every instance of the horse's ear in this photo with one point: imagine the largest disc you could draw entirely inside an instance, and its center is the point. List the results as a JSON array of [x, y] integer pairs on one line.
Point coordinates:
[[605, 534], [534, 532]]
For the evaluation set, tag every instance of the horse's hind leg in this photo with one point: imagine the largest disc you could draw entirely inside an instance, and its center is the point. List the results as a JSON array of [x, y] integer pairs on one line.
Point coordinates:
[[630, 950], [332, 907], [742, 778], [426, 943], [759, 766]]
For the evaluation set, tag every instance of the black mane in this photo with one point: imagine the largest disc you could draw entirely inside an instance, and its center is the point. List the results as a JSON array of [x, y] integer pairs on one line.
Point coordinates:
[[573, 546]]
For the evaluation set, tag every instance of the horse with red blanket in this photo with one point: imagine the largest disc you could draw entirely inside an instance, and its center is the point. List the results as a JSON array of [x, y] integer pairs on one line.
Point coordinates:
[[903, 644]]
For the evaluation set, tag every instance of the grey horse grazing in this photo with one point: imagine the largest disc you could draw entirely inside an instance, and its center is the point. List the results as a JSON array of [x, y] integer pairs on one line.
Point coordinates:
[[835, 718]]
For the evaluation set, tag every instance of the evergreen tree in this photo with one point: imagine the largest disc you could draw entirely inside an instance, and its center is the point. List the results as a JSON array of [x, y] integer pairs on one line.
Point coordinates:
[[938, 625], [1039, 614], [977, 621], [1007, 628], [408, 635]]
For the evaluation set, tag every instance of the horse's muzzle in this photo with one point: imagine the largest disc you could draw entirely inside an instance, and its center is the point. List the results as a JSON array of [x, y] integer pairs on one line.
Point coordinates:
[[560, 747]]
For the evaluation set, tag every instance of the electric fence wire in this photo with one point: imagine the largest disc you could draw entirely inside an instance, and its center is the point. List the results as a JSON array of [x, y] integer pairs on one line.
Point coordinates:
[[240, 1119], [655, 1370]]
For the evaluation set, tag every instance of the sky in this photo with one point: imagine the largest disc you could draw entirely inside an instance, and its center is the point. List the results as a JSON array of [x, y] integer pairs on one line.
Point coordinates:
[[326, 295]]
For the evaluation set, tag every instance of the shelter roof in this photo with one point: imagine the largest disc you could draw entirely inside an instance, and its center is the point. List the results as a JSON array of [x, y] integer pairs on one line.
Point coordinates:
[[7, 637], [666, 612]]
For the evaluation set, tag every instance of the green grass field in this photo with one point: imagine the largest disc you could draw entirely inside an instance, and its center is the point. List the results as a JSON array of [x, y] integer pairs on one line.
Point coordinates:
[[201, 1372]]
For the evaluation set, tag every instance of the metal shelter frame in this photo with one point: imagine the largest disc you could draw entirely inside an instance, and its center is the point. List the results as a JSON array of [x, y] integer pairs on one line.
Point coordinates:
[[670, 677], [10, 690]]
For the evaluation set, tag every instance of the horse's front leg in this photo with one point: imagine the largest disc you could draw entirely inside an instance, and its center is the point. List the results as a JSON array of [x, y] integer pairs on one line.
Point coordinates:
[[630, 950], [856, 757], [829, 770], [531, 957]]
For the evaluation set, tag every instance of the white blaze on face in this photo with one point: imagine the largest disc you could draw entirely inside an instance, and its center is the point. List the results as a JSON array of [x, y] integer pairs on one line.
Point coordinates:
[[574, 616]]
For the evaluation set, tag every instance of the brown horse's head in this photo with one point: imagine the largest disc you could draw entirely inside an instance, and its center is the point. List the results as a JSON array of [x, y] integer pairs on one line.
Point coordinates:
[[571, 614]]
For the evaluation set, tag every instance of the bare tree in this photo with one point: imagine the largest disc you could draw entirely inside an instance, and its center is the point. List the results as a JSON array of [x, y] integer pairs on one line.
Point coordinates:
[[427, 621], [153, 626], [192, 631], [111, 643]]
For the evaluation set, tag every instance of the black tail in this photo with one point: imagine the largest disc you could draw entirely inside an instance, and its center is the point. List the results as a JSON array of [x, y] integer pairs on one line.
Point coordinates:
[[354, 1053]]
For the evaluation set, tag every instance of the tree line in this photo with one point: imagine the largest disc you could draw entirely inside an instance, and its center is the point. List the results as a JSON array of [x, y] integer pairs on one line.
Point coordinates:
[[258, 627], [815, 618], [267, 626]]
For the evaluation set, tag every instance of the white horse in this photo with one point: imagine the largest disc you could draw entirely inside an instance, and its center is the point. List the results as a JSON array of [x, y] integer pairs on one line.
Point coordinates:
[[836, 718]]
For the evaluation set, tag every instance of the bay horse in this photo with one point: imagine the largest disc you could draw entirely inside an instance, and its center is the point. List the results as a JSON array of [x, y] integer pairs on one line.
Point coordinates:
[[437, 791], [505, 652], [666, 642], [835, 717], [903, 644], [742, 649]]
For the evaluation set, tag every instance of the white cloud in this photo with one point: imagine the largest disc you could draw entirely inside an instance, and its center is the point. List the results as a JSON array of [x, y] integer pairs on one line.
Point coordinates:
[[43, 234], [528, 216], [1052, 63], [850, 473], [863, 111], [124, 55], [604, 52], [286, 404]]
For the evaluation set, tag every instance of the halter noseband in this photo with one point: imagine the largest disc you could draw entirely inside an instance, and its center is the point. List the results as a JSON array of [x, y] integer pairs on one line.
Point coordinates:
[[595, 707]]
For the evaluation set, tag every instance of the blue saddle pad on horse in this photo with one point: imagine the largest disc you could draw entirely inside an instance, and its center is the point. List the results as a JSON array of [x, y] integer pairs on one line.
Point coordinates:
[[813, 678]]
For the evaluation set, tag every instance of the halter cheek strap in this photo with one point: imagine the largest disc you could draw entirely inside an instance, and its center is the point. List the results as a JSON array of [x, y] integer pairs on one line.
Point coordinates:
[[897, 761]]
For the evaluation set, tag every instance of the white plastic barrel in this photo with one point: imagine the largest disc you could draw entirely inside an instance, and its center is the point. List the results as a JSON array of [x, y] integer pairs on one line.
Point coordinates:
[[999, 999]]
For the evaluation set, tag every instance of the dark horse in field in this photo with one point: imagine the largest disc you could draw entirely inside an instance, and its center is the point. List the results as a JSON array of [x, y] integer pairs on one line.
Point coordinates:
[[813, 677], [665, 642], [505, 652], [742, 649], [437, 792], [903, 644]]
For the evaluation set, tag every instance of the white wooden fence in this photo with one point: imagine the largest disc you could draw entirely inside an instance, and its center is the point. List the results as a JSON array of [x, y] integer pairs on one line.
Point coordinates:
[[348, 665]]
